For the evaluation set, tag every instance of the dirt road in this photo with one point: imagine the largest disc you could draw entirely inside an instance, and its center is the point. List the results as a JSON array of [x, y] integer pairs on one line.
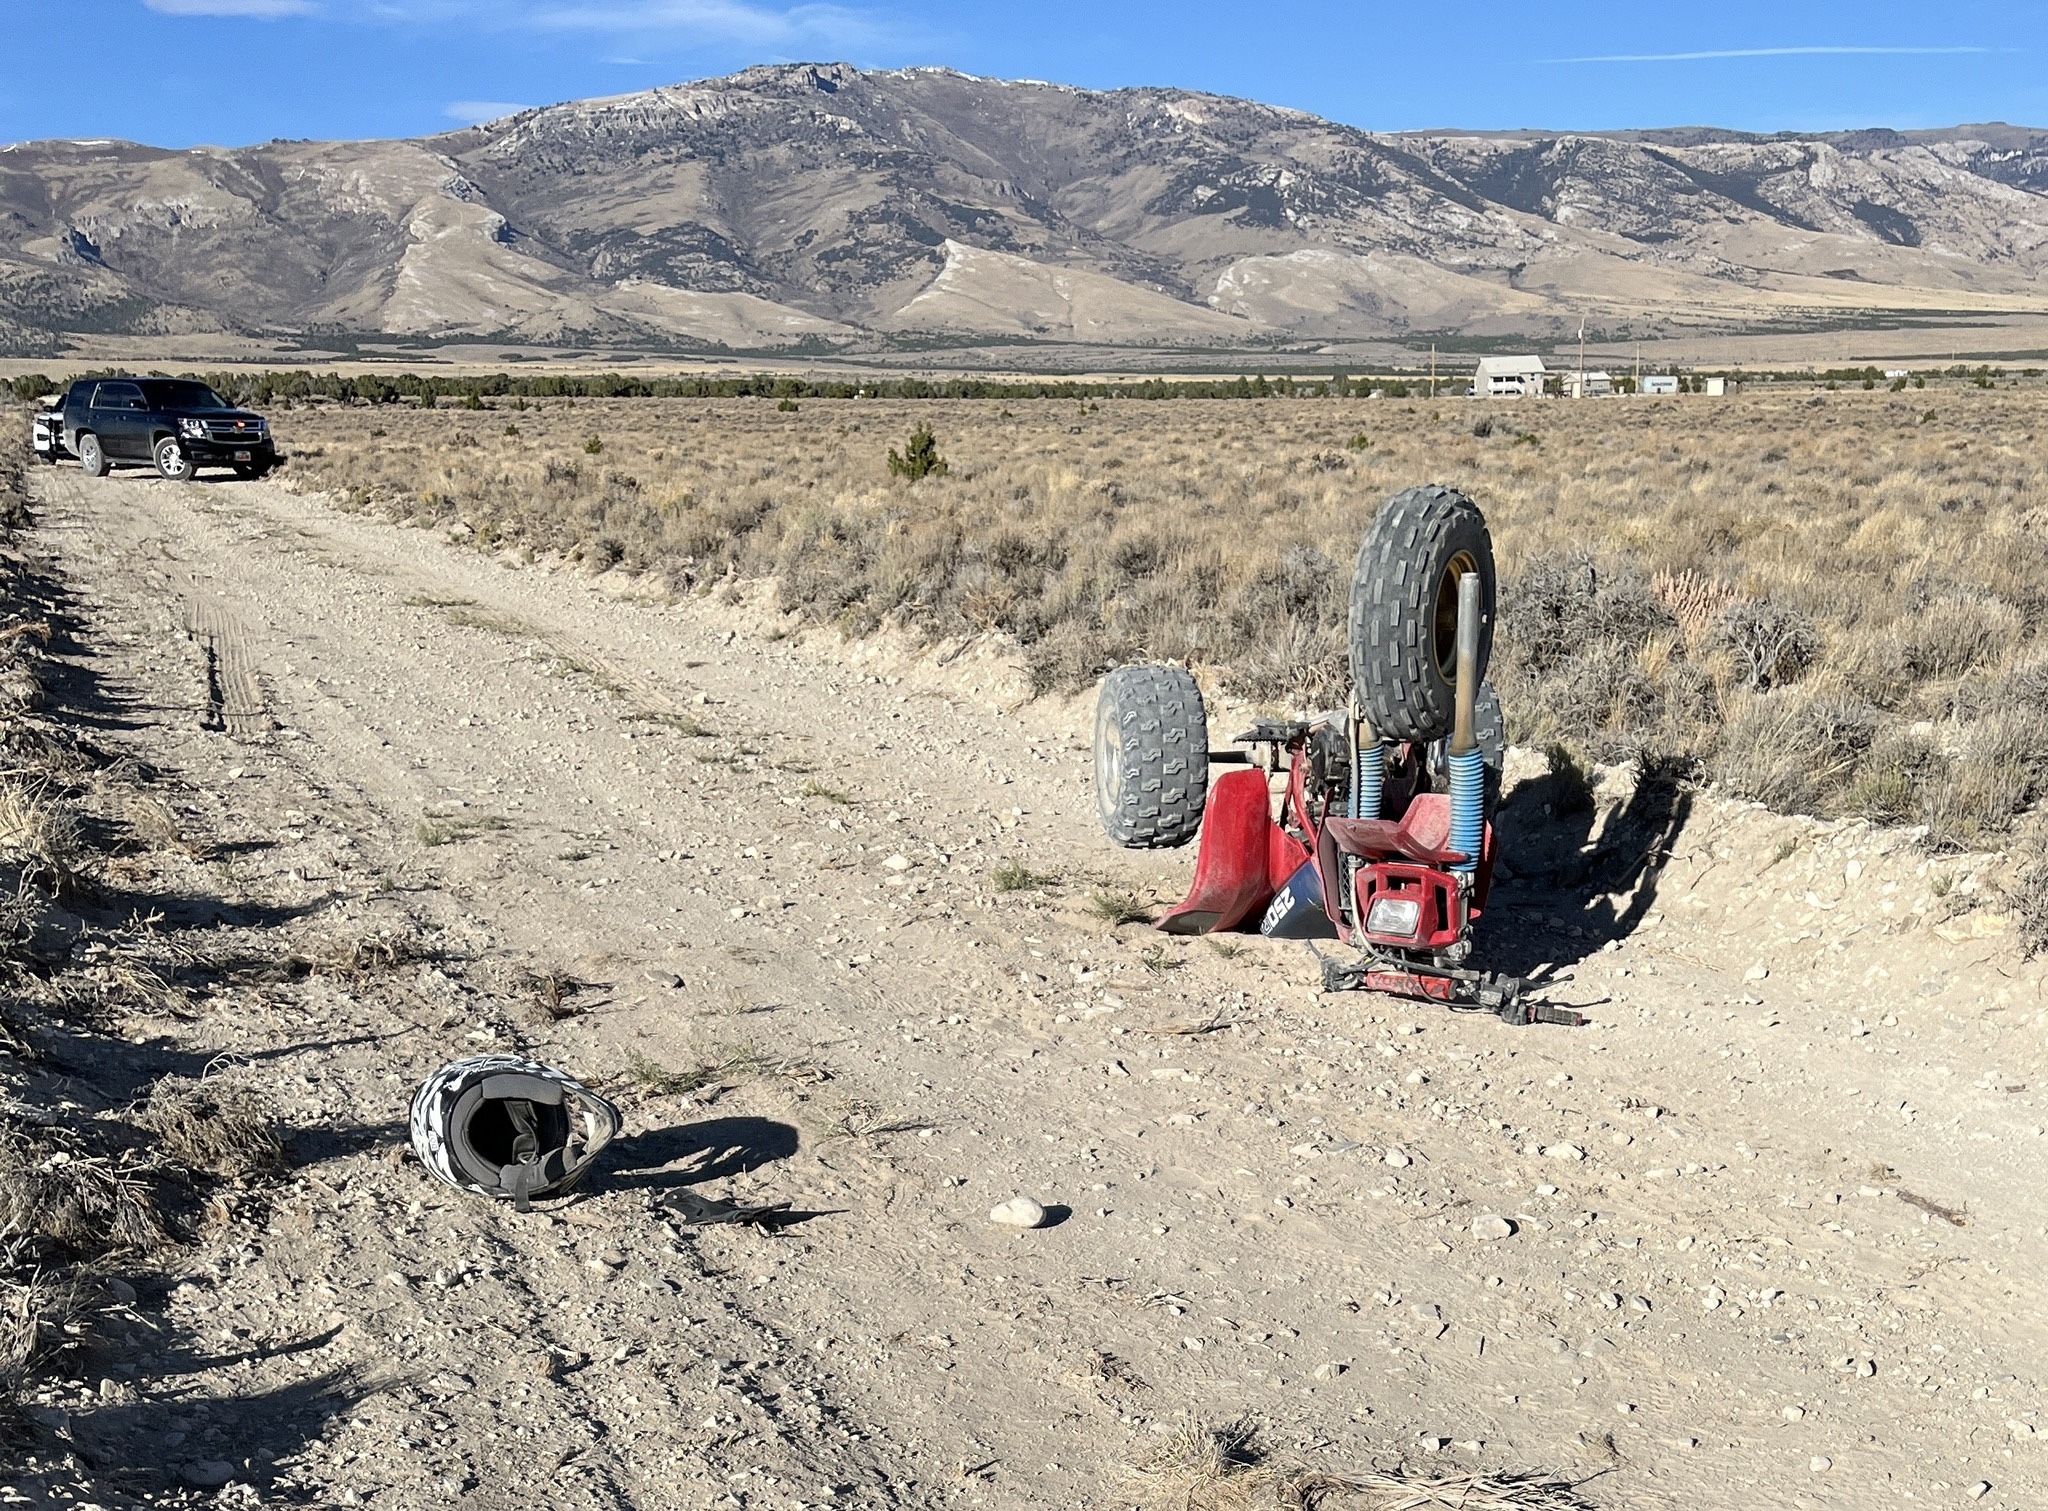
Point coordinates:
[[1776, 1214]]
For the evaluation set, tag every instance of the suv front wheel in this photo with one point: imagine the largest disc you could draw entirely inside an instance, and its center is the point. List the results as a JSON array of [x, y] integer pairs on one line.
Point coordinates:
[[172, 462], [90, 456]]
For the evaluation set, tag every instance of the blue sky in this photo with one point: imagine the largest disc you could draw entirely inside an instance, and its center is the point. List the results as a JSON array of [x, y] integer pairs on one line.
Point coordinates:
[[180, 72]]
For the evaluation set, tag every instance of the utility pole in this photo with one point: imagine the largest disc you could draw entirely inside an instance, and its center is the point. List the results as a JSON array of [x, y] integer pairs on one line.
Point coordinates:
[[1582, 356], [1432, 369]]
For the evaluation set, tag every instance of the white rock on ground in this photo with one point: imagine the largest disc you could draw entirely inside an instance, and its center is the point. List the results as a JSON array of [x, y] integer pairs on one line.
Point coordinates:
[[1017, 1212]]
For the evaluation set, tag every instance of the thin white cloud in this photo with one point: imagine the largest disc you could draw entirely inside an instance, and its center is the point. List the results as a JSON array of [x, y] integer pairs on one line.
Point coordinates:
[[1774, 52], [263, 8], [722, 20], [476, 112], [768, 28]]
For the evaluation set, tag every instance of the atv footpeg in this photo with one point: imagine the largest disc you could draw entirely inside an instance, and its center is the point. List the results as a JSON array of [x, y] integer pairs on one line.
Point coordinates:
[[1460, 990]]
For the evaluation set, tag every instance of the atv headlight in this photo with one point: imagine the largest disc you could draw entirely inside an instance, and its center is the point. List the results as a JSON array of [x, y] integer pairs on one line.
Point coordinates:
[[192, 429], [1394, 915]]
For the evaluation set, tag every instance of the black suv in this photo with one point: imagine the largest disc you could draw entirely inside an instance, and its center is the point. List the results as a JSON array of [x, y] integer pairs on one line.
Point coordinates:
[[174, 423]]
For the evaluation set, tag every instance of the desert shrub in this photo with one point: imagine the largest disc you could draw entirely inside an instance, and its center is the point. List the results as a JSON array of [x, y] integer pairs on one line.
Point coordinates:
[[1770, 642], [2026, 892], [36, 1304], [1588, 653], [1994, 778], [1891, 783], [1793, 750], [2026, 686], [1956, 635], [1695, 601], [920, 456], [1299, 667], [1660, 567], [1563, 601], [1071, 654], [825, 562]]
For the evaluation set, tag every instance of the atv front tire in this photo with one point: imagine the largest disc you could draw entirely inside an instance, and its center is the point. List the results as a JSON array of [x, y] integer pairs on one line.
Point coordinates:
[[1404, 610], [1151, 757]]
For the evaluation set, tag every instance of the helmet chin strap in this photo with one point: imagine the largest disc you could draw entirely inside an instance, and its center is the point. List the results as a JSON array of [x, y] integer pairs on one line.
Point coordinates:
[[525, 1176]]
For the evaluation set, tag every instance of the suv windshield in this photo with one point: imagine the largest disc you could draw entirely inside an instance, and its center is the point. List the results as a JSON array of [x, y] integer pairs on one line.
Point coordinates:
[[177, 394]]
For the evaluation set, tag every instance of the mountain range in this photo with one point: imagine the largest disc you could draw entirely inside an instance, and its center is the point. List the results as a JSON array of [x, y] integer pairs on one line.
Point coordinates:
[[823, 206]]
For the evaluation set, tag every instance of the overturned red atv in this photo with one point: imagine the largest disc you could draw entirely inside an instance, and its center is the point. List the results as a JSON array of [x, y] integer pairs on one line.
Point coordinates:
[[1371, 825]]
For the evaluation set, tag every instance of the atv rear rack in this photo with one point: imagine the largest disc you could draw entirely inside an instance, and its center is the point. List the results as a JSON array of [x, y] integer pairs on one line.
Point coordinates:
[[1458, 989]]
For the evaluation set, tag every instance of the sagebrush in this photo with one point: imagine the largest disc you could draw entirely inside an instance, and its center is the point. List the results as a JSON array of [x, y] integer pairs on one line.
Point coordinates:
[[1830, 602]]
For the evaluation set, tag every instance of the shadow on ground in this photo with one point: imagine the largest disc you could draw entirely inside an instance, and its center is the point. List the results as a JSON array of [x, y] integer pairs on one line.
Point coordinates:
[[1584, 873], [695, 1152]]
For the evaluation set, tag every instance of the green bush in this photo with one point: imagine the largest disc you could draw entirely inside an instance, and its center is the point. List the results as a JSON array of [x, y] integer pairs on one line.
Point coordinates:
[[920, 457]]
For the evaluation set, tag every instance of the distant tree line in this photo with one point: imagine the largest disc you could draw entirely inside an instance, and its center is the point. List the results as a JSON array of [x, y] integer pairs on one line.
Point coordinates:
[[395, 388], [297, 386]]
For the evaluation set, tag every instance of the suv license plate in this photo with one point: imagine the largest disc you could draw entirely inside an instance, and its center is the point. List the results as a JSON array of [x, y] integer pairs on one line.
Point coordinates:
[[242, 456]]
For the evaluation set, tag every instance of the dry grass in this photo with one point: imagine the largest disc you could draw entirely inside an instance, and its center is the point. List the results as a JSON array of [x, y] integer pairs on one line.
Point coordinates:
[[452, 829], [724, 1067], [39, 833], [43, 1313], [1682, 577], [1202, 1467], [1117, 907], [213, 1129], [89, 1202], [1015, 876], [81, 1194]]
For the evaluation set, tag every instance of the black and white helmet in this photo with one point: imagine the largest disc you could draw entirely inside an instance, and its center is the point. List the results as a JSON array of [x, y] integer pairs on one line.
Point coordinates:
[[505, 1127]]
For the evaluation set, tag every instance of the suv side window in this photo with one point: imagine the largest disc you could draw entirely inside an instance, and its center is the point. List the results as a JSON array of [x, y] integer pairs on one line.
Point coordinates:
[[118, 396]]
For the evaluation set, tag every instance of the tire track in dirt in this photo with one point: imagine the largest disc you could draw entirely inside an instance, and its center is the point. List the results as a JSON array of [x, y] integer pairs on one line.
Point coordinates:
[[234, 693], [1271, 1220]]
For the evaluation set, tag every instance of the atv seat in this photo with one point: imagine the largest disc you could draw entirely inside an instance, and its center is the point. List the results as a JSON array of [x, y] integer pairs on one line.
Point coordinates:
[[1420, 835]]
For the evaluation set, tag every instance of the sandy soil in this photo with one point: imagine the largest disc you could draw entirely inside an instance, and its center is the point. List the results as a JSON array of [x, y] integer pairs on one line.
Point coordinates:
[[1773, 1211]]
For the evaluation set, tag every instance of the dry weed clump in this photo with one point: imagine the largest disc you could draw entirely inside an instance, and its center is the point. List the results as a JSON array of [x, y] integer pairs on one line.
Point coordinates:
[[87, 1202], [212, 1129], [1204, 1467], [39, 1312], [1679, 576]]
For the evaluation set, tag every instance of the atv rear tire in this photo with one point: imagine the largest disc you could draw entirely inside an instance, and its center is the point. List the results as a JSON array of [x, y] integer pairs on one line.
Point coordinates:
[[1151, 757], [1404, 610]]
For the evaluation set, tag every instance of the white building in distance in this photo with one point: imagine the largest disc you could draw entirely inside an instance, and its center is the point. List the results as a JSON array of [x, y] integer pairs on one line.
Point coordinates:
[[1509, 377], [1594, 385]]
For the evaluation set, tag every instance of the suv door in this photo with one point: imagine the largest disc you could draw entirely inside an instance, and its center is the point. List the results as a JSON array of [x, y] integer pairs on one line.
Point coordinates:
[[120, 418]]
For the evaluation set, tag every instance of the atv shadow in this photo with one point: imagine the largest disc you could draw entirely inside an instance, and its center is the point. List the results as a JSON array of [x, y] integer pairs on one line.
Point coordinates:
[[1585, 873]]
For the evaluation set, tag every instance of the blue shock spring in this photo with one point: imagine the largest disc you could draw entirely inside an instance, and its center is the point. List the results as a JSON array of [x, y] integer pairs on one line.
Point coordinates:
[[1468, 808], [1368, 778]]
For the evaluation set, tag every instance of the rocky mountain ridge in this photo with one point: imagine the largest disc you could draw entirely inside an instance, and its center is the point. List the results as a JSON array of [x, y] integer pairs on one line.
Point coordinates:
[[826, 205]]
